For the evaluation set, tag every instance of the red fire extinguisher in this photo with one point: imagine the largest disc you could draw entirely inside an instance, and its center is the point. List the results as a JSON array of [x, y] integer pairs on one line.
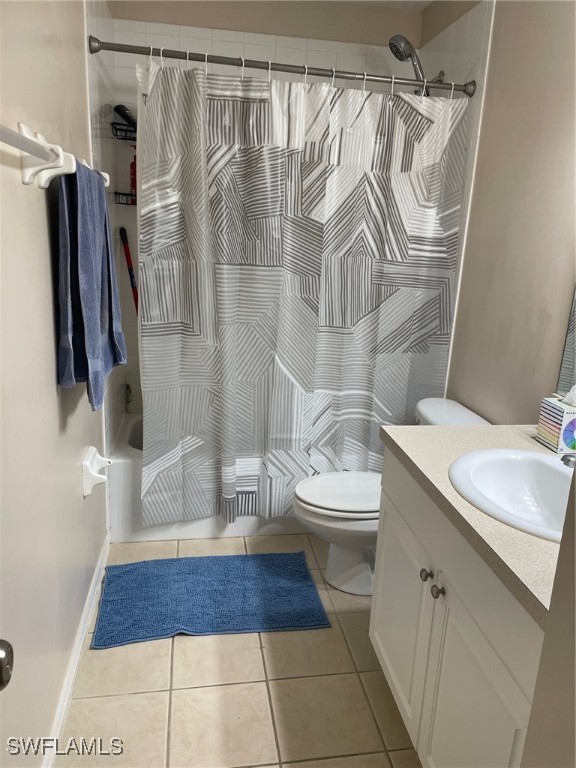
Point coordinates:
[[133, 177]]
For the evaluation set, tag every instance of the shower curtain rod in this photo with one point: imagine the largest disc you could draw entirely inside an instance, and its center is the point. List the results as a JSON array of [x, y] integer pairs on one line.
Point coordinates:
[[95, 46]]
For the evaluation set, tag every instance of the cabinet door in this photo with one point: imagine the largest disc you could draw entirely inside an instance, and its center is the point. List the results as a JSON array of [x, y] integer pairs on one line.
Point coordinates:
[[401, 614], [474, 714]]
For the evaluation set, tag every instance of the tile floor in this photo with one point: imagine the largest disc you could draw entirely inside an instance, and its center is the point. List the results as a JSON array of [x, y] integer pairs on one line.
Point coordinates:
[[309, 699]]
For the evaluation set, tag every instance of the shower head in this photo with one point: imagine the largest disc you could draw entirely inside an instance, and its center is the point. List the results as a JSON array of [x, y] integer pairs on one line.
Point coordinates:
[[401, 47], [403, 50]]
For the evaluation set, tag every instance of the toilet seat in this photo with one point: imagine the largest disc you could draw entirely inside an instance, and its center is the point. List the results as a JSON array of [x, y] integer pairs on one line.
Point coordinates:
[[352, 495], [341, 515]]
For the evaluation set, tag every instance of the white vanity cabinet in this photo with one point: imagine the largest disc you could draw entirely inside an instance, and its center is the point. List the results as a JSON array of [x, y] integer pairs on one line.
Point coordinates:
[[402, 610], [459, 653]]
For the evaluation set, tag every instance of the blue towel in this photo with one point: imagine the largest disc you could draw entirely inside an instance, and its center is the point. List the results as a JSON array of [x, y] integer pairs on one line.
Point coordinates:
[[91, 341], [153, 599]]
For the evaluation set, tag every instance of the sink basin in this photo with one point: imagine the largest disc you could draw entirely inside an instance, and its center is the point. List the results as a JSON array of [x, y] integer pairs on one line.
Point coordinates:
[[524, 489]]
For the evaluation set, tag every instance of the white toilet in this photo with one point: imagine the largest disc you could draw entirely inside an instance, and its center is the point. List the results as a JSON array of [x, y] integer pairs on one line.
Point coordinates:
[[343, 507]]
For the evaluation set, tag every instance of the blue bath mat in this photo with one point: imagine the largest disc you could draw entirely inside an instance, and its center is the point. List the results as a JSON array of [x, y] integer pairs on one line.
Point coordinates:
[[228, 594]]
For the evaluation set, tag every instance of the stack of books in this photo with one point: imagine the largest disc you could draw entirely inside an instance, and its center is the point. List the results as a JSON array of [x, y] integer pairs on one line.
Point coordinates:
[[557, 425]]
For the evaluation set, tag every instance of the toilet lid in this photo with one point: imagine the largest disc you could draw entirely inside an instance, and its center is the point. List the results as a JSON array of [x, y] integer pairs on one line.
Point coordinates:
[[342, 491]]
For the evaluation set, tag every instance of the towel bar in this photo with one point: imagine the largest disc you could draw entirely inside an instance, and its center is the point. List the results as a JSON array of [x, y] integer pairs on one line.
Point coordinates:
[[41, 161]]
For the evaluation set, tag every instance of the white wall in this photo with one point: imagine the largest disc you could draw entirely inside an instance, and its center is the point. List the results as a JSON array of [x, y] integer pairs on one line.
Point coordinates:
[[51, 537], [353, 22], [439, 14], [518, 270]]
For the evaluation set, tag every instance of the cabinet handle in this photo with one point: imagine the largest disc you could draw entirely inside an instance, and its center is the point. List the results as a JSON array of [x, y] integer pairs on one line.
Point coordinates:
[[425, 575], [436, 591]]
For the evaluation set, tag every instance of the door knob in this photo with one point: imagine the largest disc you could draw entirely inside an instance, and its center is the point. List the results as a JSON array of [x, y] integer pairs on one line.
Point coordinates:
[[436, 591], [425, 575], [6, 663]]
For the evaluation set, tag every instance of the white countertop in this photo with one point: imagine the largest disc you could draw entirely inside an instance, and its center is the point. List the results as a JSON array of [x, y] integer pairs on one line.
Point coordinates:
[[524, 563]]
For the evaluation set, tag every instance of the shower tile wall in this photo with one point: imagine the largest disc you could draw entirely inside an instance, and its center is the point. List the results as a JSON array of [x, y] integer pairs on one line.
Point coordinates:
[[102, 84], [461, 50], [288, 50]]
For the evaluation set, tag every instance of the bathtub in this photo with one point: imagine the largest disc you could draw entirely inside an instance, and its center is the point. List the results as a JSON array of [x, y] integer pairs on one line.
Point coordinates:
[[125, 486], [125, 481]]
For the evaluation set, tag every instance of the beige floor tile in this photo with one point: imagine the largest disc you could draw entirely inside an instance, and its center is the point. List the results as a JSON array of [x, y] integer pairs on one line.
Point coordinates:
[[132, 668], [306, 653], [320, 548], [323, 717], [282, 543], [228, 725], [377, 760], [344, 602], [141, 721], [387, 715], [406, 758], [356, 626], [203, 547], [323, 590], [216, 659], [141, 550]]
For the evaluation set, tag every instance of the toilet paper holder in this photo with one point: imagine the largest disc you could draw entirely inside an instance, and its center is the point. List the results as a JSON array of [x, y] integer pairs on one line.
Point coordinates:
[[92, 463]]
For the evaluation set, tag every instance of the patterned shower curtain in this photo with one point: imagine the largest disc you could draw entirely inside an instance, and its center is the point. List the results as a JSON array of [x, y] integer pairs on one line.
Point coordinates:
[[298, 250]]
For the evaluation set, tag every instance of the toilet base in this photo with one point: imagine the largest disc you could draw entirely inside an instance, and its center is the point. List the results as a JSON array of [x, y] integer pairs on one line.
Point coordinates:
[[349, 570]]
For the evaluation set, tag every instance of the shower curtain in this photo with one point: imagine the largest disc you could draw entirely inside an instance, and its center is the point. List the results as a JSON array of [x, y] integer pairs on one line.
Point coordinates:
[[298, 250]]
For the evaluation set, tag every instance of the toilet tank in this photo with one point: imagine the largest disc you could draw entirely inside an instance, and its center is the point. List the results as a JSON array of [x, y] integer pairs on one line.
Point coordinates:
[[439, 410]]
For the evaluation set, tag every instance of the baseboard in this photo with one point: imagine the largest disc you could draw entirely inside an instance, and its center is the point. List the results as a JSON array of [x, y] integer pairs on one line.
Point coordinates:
[[66, 691]]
